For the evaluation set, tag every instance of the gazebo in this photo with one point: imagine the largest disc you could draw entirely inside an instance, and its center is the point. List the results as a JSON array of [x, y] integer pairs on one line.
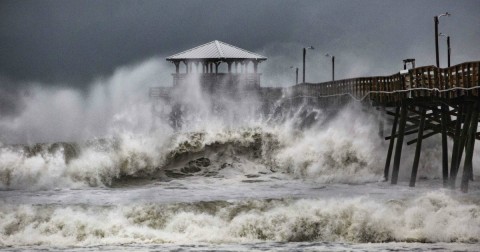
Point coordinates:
[[209, 56]]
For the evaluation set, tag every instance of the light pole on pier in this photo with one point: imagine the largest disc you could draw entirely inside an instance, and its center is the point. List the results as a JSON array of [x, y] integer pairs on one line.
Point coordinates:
[[435, 20], [449, 50], [444, 108], [296, 74], [333, 65], [304, 53]]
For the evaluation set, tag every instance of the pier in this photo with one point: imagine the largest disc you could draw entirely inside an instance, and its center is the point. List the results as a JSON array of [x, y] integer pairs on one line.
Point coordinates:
[[423, 101]]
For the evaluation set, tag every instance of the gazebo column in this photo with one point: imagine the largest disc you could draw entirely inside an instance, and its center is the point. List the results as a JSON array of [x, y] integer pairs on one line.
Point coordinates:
[[236, 66], [255, 66], [216, 66], [186, 66], [196, 66], [211, 67], [229, 63], [177, 67], [242, 67]]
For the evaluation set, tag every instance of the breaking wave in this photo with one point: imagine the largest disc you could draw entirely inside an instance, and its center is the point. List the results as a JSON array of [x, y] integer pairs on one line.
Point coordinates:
[[432, 217], [328, 155]]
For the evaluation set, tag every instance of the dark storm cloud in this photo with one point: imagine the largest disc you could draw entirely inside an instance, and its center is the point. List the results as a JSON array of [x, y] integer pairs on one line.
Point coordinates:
[[72, 42]]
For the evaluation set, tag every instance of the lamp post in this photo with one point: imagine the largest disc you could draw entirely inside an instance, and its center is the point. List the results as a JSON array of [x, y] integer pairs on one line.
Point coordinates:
[[304, 53], [444, 109], [435, 20], [448, 46], [333, 65], [296, 74]]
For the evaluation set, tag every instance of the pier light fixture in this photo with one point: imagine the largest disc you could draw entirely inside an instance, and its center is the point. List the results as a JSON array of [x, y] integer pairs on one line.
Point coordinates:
[[333, 65], [449, 51], [304, 53], [435, 20]]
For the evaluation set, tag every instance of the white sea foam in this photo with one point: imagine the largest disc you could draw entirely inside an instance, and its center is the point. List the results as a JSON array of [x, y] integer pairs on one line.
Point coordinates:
[[431, 217]]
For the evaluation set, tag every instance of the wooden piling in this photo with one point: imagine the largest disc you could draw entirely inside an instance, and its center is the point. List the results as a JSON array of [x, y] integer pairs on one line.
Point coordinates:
[[418, 148], [456, 143], [392, 141], [398, 147], [461, 145], [444, 123], [468, 167]]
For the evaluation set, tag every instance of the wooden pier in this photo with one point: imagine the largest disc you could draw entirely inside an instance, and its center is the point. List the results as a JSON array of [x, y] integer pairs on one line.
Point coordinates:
[[424, 101]]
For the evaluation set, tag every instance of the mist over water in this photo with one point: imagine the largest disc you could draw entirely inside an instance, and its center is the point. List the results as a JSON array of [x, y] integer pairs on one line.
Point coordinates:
[[96, 168], [109, 105]]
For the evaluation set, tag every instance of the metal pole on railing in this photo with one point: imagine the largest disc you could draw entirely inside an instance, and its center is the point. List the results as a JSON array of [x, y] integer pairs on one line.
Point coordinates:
[[449, 50], [448, 46], [435, 20], [296, 74], [333, 66], [304, 53]]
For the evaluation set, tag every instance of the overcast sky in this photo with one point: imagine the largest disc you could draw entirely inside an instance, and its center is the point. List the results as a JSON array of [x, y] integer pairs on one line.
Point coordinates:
[[72, 42]]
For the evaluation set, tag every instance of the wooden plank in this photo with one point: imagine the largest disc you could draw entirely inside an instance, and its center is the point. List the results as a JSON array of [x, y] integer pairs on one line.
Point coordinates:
[[425, 136]]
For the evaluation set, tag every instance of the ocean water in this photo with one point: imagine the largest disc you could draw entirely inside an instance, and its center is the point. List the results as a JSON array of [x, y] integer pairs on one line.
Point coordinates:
[[230, 180]]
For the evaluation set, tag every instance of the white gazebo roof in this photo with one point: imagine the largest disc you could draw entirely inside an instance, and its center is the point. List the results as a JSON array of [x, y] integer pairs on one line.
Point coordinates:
[[216, 50]]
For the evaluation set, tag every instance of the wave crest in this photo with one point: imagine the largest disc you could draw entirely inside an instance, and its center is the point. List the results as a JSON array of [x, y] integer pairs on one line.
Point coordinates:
[[431, 217]]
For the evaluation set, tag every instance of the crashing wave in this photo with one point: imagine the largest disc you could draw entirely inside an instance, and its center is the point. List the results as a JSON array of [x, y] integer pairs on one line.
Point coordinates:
[[431, 217], [328, 152], [103, 162]]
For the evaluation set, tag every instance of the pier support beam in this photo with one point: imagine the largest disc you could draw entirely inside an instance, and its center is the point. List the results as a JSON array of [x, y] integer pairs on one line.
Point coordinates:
[[461, 145], [418, 149], [469, 147], [444, 124], [392, 142], [398, 148], [456, 145]]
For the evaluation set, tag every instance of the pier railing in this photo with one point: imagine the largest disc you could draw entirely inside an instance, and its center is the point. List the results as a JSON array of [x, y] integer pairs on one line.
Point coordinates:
[[427, 81]]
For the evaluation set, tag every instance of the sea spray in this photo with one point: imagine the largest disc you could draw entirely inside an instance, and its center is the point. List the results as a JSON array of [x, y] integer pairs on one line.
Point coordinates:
[[336, 151], [110, 105], [328, 152]]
